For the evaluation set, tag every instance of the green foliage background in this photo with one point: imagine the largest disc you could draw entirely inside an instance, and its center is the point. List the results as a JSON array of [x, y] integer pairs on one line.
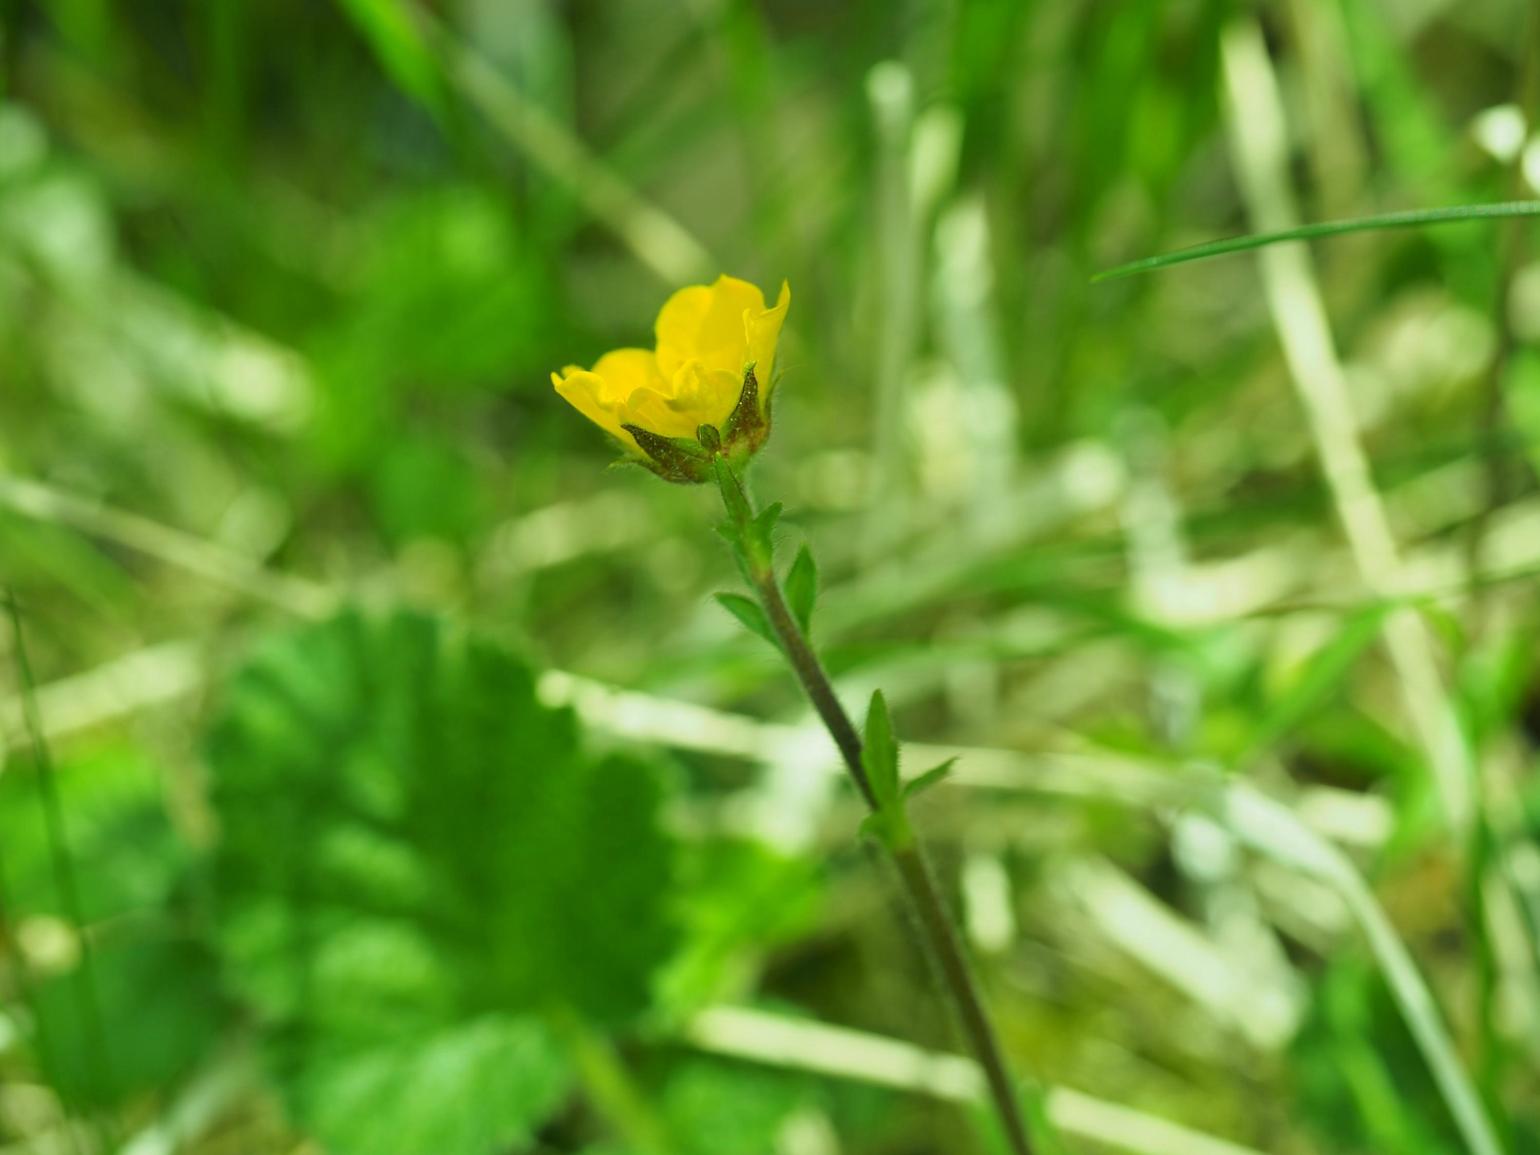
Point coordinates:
[[398, 786]]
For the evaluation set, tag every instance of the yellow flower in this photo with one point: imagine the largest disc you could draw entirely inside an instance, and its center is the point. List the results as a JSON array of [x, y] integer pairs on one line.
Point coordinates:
[[707, 337]]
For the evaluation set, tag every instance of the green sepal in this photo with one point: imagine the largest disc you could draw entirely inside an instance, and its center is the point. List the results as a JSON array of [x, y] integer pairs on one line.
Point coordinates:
[[802, 588], [932, 777], [676, 459], [687, 462], [749, 423], [749, 613]]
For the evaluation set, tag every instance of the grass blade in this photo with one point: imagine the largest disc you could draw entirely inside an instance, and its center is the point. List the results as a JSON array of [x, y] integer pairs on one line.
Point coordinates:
[[63, 862], [1408, 219], [1272, 829]]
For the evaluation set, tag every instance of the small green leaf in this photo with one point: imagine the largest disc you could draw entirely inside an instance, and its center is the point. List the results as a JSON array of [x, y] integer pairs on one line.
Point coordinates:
[[802, 588], [762, 533], [747, 611], [932, 777], [879, 752]]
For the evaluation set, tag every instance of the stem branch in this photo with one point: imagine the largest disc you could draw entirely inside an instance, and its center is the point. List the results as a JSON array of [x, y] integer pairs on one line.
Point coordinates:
[[937, 926]]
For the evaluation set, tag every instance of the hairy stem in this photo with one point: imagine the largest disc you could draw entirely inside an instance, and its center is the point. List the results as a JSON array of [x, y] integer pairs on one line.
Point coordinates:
[[937, 927], [815, 682]]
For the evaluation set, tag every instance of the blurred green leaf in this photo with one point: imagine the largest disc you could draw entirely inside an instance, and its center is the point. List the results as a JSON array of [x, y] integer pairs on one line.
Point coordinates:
[[738, 899], [389, 28], [112, 812], [411, 843], [156, 991], [425, 487], [146, 964], [718, 1107], [442, 300], [477, 1087]]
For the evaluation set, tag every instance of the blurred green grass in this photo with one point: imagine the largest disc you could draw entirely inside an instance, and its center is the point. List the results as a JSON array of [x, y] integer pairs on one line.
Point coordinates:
[[281, 284]]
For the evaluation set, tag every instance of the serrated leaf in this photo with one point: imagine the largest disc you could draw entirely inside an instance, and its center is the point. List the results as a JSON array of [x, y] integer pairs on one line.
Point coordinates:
[[480, 1087], [802, 588], [879, 752], [932, 777], [748, 612], [410, 843]]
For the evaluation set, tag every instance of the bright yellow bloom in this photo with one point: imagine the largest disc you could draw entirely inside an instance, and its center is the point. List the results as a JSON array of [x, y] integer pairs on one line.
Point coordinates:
[[707, 336]]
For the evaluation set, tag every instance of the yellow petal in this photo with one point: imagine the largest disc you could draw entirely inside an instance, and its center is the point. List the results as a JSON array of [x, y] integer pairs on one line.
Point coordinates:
[[589, 395], [655, 413], [764, 333], [626, 370], [705, 395], [707, 324]]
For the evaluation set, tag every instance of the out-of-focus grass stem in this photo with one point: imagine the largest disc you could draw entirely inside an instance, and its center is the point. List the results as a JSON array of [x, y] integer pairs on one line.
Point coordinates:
[[656, 239], [776, 1040], [1259, 146], [184, 550], [1258, 142], [62, 863], [1273, 829], [1511, 235], [890, 89], [611, 1090]]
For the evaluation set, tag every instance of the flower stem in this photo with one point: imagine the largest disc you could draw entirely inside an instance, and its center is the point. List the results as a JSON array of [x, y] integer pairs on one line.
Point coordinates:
[[937, 926]]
